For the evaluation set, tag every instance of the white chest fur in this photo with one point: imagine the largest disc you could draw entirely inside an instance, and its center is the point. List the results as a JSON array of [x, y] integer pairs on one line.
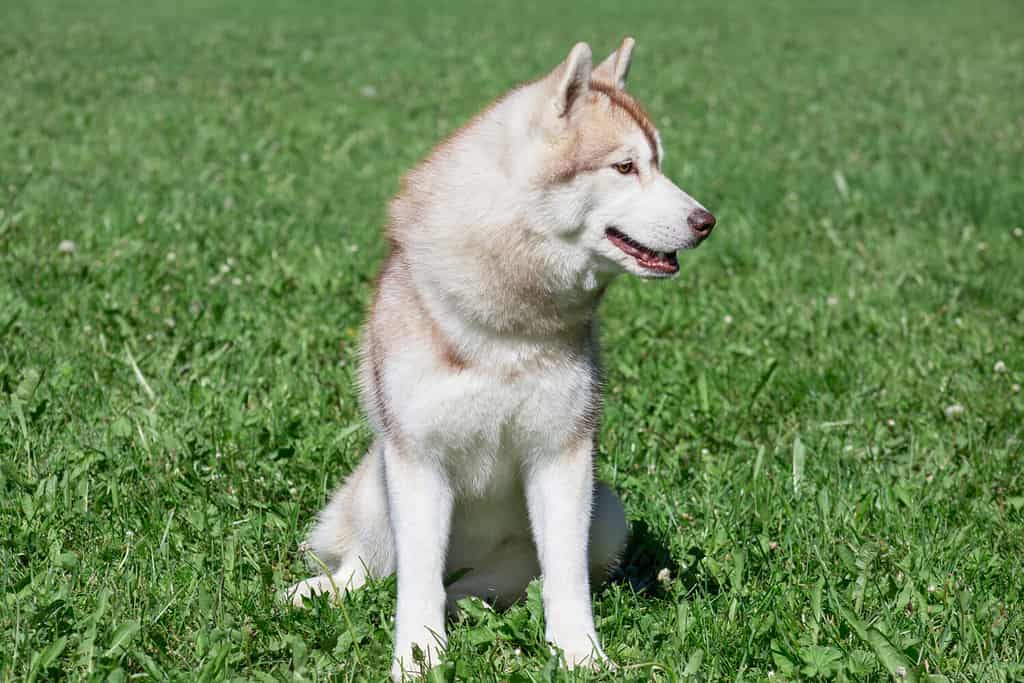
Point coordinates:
[[484, 422]]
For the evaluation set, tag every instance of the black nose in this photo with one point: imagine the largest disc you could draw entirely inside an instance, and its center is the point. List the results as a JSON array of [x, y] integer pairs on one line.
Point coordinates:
[[701, 222]]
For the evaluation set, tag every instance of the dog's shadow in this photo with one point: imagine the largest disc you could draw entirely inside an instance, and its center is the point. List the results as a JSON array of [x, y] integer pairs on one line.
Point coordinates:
[[646, 559]]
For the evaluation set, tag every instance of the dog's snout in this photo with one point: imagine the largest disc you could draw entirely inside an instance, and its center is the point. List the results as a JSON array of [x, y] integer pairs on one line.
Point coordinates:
[[701, 222]]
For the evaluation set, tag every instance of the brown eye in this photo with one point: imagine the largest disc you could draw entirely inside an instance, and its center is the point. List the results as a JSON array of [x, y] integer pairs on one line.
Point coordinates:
[[625, 168]]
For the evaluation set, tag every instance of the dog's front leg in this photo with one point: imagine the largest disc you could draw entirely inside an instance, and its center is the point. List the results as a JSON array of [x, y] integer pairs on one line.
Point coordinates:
[[420, 508], [559, 491]]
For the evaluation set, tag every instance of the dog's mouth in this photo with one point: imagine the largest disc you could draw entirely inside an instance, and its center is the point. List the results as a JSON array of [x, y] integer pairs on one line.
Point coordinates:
[[658, 261]]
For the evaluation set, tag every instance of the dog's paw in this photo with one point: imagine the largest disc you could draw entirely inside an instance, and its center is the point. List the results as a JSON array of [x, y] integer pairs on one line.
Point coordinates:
[[582, 653], [306, 589], [411, 660], [588, 661]]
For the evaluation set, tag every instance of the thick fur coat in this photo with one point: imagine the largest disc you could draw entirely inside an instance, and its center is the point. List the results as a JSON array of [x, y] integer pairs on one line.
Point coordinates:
[[480, 371]]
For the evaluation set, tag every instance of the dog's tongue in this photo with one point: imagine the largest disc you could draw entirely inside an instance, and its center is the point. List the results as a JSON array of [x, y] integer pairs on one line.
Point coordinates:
[[666, 263], [648, 258]]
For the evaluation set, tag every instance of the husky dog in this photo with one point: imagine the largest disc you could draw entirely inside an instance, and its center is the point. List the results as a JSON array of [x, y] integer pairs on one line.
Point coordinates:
[[480, 371]]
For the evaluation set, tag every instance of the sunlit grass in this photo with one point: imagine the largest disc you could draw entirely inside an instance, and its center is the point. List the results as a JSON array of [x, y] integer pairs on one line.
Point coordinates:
[[816, 429]]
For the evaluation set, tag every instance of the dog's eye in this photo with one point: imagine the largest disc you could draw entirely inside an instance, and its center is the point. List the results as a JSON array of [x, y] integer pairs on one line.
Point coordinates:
[[625, 168]]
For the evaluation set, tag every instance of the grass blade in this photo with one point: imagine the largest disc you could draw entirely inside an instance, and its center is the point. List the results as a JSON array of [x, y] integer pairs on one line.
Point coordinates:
[[121, 637], [799, 457]]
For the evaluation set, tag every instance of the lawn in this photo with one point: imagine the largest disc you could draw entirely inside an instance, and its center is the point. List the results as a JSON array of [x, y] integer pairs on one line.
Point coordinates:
[[816, 429]]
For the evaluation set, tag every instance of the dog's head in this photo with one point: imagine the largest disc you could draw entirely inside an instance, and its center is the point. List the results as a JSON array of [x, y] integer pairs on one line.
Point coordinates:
[[602, 174]]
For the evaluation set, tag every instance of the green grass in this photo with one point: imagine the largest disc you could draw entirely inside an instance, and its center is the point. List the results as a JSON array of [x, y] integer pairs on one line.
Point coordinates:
[[177, 395]]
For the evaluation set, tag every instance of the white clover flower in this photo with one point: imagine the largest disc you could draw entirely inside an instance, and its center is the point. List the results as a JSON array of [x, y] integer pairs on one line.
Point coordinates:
[[999, 367], [664, 575], [954, 411], [67, 247]]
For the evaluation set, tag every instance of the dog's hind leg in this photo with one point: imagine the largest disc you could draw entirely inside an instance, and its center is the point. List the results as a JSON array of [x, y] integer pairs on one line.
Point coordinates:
[[502, 577], [352, 537], [609, 533]]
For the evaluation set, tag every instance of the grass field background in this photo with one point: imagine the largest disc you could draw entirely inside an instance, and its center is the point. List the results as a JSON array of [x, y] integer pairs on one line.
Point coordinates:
[[817, 428]]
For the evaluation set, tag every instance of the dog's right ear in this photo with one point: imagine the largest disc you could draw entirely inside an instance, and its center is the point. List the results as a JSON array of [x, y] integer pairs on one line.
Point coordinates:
[[571, 80], [615, 69]]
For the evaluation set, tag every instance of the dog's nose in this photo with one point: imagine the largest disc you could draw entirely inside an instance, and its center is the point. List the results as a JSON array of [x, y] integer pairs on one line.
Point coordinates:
[[701, 222]]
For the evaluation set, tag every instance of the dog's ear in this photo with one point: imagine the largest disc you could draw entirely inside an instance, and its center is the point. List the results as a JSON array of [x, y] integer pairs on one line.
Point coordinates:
[[615, 69], [571, 80]]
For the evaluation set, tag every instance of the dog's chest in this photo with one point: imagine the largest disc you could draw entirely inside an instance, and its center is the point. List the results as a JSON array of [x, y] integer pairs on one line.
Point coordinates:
[[484, 422]]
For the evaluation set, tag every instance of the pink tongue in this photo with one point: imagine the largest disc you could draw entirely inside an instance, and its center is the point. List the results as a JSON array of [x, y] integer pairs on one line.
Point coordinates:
[[625, 246], [657, 263], [646, 258]]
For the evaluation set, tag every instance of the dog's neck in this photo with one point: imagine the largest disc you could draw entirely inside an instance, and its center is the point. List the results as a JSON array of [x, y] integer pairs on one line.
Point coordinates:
[[498, 297]]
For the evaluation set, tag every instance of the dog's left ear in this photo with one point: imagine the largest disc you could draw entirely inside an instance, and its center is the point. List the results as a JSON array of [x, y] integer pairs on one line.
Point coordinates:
[[615, 69]]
